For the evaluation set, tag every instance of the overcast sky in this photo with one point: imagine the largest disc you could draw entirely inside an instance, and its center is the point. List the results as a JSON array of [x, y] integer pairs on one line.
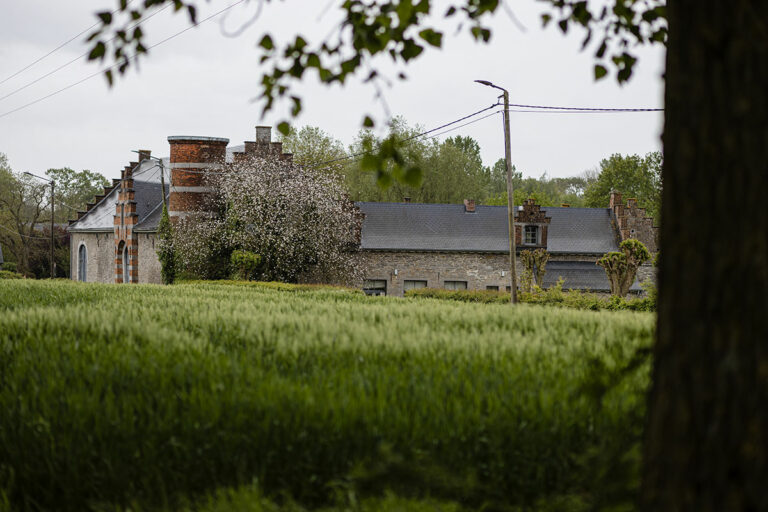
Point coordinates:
[[205, 83]]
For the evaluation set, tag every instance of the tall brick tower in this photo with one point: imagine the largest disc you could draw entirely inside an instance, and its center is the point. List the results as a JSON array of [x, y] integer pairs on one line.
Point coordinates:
[[190, 158]]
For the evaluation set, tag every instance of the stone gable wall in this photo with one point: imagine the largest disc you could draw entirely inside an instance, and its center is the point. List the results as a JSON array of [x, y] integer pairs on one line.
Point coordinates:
[[100, 249]]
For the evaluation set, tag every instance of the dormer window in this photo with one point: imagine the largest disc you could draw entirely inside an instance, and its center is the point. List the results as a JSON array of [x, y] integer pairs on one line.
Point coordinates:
[[531, 235]]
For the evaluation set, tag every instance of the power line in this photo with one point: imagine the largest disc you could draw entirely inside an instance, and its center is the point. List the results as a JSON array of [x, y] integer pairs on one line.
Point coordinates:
[[62, 45], [586, 109], [33, 82], [113, 66], [465, 124]]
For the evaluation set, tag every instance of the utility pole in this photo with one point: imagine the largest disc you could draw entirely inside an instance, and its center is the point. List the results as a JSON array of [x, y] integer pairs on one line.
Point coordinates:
[[510, 193], [53, 213]]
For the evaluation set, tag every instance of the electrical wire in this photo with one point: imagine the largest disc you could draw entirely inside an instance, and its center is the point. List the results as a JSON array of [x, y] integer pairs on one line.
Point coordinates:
[[465, 124], [33, 82], [584, 109], [62, 45], [116, 65]]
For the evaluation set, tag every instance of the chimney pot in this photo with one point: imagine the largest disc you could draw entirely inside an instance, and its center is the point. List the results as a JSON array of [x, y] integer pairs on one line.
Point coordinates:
[[469, 206], [407, 199], [263, 134], [144, 154]]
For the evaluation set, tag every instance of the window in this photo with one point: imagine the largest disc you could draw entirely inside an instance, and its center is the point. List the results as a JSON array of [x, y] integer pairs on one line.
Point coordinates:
[[455, 285], [82, 262], [126, 272], [509, 289], [375, 287], [531, 235], [492, 288], [410, 284]]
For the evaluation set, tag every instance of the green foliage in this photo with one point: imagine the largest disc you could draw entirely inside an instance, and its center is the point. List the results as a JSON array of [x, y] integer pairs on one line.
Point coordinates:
[[10, 266], [313, 147], [165, 251], [553, 296], [74, 190], [400, 30], [245, 264], [451, 170], [621, 267], [546, 191], [10, 274], [634, 176], [215, 386]]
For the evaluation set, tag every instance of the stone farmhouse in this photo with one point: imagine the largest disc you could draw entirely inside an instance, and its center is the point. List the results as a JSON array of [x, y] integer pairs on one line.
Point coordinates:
[[403, 245]]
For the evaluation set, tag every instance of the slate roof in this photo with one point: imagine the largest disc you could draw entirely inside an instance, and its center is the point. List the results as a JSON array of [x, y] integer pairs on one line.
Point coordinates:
[[152, 219], [580, 275], [447, 227], [146, 185]]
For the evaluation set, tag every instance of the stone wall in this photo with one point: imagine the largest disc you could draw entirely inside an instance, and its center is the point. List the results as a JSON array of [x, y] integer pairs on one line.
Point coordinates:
[[100, 249], [149, 263], [479, 270], [631, 222]]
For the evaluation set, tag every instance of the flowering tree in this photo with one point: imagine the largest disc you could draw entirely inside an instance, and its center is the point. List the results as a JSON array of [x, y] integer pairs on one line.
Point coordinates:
[[298, 220]]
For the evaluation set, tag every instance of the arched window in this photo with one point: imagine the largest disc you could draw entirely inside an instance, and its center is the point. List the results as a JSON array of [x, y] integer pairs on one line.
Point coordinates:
[[126, 272], [82, 263]]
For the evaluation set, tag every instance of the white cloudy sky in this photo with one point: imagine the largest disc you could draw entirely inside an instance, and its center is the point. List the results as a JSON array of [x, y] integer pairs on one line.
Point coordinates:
[[204, 83]]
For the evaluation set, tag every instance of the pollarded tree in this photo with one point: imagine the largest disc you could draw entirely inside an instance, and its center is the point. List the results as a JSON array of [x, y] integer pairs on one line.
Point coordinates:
[[298, 220], [622, 266], [535, 266]]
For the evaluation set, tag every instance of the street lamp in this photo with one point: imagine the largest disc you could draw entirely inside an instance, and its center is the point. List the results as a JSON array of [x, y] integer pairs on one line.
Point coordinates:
[[510, 197], [53, 211]]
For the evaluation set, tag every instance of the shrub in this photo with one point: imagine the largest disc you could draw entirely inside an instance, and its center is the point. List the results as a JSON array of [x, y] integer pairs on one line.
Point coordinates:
[[8, 274], [553, 296], [10, 266], [245, 264]]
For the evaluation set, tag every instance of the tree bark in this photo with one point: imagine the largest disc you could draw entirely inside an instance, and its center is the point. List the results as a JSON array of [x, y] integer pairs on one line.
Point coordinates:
[[707, 434]]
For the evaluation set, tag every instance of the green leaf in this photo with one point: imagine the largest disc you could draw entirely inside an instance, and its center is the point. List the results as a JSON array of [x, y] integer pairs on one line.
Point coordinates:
[[412, 176], [600, 71], [105, 17], [266, 42], [98, 51], [192, 11], [109, 77], [284, 128], [368, 122], [432, 37]]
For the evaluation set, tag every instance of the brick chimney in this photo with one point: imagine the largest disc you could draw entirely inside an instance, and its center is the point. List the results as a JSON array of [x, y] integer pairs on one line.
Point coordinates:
[[144, 154], [190, 158], [263, 147], [469, 206]]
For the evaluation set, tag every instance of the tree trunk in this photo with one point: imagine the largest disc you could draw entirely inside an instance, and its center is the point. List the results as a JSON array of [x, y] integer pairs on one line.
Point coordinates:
[[707, 434]]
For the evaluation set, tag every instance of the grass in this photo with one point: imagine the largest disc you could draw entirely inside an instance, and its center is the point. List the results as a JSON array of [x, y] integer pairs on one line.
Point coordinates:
[[151, 397]]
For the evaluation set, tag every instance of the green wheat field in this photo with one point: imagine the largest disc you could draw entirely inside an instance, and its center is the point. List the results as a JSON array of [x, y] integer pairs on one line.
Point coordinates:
[[248, 396]]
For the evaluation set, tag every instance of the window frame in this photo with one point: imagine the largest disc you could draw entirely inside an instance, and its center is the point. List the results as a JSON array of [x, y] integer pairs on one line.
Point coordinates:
[[454, 282], [82, 262], [421, 281], [531, 228]]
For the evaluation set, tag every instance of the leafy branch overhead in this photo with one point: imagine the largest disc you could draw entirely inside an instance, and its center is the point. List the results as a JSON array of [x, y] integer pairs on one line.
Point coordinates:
[[400, 30]]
